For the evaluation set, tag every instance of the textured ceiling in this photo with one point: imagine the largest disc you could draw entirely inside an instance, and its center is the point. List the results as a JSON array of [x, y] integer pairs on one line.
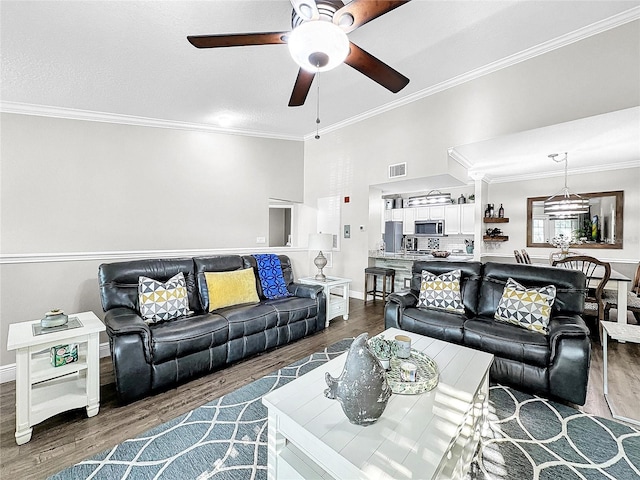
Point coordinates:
[[132, 57]]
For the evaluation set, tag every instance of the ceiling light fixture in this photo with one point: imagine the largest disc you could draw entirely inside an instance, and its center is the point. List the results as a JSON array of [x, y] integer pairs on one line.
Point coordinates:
[[434, 197], [565, 204], [318, 45]]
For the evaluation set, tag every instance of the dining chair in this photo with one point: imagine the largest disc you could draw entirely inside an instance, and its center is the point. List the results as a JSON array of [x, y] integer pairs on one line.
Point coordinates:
[[593, 269], [525, 257], [518, 256], [633, 299], [560, 255]]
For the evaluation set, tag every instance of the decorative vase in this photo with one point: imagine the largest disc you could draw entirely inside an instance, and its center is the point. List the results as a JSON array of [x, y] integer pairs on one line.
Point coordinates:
[[361, 388], [54, 318]]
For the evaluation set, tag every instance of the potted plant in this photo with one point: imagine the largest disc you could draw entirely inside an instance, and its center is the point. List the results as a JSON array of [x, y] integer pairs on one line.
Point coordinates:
[[383, 349], [471, 198]]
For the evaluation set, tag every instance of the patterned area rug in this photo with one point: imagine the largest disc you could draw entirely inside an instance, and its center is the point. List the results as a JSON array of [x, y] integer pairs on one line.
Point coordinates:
[[526, 438]]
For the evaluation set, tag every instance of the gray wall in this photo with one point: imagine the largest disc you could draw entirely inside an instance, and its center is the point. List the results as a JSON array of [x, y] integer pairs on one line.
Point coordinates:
[[75, 194]]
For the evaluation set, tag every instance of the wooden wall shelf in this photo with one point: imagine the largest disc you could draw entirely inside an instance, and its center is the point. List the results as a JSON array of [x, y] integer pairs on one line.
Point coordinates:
[[495, 220], [497, 238]]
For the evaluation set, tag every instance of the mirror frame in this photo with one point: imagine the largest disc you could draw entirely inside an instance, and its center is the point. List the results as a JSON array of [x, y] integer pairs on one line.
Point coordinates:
[[619, 194]]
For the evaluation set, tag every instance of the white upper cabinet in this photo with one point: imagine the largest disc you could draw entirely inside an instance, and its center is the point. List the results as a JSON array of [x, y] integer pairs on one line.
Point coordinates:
[[451, 220], [459, 219], [435, 212], [467, 221], [397, 214], [408, 221]]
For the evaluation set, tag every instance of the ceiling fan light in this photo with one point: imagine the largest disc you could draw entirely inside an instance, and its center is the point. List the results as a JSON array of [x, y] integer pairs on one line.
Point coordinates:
[[318, 41]]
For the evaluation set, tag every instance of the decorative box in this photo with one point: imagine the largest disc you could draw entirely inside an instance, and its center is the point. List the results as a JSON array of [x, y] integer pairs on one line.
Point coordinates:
[[63, 354]]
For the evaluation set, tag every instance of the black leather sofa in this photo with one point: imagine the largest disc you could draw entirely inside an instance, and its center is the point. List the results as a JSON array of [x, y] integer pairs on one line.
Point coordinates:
[[555, 365], [147, 358]]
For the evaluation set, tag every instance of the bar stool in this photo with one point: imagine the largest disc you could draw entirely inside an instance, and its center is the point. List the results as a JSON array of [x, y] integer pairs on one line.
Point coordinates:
[[385, 273]]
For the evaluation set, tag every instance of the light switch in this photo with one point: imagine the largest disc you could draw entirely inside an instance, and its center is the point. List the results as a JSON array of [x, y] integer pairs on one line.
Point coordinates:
[[347, 231]]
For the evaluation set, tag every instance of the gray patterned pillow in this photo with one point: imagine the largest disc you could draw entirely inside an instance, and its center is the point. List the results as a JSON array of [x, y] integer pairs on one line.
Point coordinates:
[[441, 291], [159, 301], [529, 308]]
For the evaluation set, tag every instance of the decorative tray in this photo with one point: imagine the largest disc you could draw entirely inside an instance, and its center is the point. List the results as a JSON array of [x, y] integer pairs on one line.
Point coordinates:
[[426, 377], [74, 322]]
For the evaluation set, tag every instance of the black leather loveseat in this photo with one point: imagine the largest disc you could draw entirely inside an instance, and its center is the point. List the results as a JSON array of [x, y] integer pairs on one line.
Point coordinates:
[[150, 357], [555, 365]]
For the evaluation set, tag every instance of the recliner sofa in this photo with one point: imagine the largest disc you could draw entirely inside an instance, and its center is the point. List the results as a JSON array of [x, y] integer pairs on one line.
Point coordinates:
[[555, 365], [152, 357]]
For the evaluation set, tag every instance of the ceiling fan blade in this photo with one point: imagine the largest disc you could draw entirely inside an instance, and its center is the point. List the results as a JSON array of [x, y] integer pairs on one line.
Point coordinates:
[[237, 39], [301, 88], [306, 9], [359, 12], [375, 69]]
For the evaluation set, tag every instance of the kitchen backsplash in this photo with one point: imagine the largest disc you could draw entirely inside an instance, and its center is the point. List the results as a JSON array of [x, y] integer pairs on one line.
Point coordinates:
[[450, 243]]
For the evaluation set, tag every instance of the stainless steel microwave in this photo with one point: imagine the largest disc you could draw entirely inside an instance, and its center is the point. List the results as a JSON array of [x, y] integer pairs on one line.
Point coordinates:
[[434, 228]]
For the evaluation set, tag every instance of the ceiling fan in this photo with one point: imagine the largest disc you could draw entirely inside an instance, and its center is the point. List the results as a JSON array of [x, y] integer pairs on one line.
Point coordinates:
[[318, 42]]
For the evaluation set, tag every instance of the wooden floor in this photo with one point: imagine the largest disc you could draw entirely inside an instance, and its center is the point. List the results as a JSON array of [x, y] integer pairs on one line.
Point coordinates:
[[70, 437]]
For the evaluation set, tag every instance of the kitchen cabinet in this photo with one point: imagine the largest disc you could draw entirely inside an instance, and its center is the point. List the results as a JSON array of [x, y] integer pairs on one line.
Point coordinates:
[[459, 219], [467, 218], [397, 215], [408, 221], [435, 212], [387, 216]]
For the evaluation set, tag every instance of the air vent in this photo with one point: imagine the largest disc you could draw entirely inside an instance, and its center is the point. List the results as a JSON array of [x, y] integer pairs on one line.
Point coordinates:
[[398, 170]]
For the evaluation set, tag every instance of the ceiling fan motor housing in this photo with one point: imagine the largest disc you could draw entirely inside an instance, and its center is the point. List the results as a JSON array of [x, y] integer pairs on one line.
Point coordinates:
[[326, 9]]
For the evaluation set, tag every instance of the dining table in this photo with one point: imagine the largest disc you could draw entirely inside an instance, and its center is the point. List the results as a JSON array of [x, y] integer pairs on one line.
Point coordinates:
[[617, 281]]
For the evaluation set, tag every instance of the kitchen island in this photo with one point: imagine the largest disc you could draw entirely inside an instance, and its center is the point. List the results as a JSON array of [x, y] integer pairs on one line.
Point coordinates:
[[403, 262]]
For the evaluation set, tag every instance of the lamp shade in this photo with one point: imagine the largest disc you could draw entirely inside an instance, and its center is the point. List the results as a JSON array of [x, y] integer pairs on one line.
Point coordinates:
[[320, 241], [318, 45]]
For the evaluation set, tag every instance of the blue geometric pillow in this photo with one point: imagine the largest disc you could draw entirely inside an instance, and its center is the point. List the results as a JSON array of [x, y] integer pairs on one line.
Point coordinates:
[[271, 277]]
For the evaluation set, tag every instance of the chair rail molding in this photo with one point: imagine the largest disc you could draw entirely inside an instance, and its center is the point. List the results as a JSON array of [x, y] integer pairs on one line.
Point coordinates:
[[14, 258]]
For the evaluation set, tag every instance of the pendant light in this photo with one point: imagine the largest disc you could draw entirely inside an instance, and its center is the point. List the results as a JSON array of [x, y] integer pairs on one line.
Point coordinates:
[[565, 204]]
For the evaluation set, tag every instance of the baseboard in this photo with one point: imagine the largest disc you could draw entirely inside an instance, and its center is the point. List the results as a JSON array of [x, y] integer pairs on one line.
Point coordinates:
[[8, 372], [358, 295]]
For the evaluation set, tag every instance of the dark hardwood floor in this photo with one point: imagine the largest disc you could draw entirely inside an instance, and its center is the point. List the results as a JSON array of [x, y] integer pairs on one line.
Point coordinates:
[[70, 437]]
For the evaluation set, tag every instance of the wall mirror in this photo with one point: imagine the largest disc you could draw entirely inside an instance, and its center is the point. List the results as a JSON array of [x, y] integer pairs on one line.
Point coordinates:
[[600, 228]]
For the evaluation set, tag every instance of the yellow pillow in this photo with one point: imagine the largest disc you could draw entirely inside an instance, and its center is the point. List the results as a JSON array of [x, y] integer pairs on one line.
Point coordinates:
[[231, 288]]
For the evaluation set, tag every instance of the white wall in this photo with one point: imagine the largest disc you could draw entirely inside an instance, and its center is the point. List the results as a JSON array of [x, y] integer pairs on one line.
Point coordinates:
[[514, 197], [596, 75], [73, 192]]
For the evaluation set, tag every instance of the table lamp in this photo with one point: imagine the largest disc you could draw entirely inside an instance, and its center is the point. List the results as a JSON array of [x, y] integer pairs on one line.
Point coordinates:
[[320, 242]]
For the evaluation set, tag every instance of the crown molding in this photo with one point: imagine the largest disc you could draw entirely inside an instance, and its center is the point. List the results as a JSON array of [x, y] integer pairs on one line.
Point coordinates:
[[577, 171], [91, 116], [458, 157], [546, 47], [567, 39]]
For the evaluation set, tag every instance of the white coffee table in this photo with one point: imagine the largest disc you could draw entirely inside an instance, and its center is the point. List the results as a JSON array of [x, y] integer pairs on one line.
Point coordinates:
[[620, 332], [43, 390], [431, 435], [336, 290]]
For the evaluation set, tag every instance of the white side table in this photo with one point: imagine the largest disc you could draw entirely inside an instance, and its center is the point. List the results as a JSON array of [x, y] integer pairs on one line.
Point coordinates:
[[43, 390], [337, 292], [620, 332]]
